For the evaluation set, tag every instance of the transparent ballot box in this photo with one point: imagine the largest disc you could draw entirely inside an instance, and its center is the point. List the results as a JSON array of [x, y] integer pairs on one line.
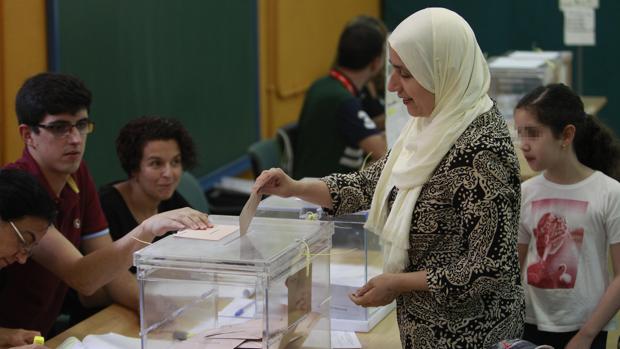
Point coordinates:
[[355, 258], [266, 289]]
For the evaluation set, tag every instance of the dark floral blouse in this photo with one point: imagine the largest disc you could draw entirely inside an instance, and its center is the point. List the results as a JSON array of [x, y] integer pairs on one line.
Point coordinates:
[[464, 235]]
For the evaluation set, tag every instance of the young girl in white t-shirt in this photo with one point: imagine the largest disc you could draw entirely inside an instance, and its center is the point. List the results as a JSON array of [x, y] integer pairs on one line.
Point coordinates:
[[570, 220]]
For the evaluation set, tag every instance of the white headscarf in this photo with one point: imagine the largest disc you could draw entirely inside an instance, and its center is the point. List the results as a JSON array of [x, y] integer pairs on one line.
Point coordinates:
[[440, 50]]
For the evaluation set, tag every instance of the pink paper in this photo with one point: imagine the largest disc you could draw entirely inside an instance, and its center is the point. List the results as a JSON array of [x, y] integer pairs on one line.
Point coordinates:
[[251, 345], [216, 233], [248, 212]]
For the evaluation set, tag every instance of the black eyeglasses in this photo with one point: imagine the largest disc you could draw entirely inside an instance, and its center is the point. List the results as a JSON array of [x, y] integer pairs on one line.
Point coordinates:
[[63, 128], [26, 247]]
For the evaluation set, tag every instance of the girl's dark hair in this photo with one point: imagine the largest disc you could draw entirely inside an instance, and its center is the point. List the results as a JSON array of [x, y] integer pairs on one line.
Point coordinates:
[[134, 136], [556, 106], [22, 195]]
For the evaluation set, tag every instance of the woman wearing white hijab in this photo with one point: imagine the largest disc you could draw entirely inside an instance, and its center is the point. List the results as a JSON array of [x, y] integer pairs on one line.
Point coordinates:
[[444, 201]]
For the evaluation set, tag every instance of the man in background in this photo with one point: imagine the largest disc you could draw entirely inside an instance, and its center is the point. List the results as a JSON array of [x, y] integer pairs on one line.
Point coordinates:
[[335, 133]]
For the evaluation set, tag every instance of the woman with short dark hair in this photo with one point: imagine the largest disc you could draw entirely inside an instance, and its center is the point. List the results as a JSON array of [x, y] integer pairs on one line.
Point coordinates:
[[154, 152]]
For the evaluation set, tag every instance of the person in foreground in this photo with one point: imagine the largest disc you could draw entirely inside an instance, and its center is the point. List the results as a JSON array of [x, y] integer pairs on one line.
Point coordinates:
[[570, 220], [444, 201], [53, 113], [26, 212]]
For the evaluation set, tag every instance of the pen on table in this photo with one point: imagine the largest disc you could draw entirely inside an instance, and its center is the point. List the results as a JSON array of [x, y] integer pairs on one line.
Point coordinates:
[[243, 308], [38, 340]]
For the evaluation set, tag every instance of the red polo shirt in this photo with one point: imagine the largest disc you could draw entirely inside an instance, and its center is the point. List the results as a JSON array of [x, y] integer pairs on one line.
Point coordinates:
[[31, 296]]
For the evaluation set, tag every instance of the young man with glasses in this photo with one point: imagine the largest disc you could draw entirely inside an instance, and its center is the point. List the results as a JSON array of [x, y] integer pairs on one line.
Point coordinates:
[[52, 110], [26, 212]]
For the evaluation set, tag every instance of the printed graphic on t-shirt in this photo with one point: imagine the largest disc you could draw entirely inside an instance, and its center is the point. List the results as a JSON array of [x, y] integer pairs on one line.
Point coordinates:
[[557, 241]]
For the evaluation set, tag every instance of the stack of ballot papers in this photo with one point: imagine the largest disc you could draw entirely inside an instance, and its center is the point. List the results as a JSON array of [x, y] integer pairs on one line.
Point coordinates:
[[246, 335], [249, 335]]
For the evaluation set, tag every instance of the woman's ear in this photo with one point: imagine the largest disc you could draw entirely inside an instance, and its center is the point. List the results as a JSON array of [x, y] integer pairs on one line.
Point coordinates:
[[568, 135], [134, 175]]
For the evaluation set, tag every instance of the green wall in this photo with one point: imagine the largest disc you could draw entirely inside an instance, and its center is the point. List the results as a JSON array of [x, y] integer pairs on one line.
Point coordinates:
[[193, 60], [506, 25]]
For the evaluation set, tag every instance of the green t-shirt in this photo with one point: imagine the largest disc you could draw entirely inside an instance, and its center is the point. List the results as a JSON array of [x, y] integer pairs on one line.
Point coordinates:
[[331, 125]]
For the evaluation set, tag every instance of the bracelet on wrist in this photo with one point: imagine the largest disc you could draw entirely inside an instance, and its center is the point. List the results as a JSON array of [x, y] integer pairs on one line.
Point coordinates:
[[142, 241]]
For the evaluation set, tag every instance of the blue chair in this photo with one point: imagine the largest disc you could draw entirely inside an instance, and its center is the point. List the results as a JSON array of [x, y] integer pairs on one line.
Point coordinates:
[[264, 155], [190, 189]]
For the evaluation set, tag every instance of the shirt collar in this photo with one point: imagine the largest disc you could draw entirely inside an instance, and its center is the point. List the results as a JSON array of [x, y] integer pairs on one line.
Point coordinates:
[[31, 165]]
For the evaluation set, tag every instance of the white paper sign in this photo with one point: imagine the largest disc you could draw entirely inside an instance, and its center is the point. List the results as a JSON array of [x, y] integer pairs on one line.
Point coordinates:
[[579, 26], [582, 3]]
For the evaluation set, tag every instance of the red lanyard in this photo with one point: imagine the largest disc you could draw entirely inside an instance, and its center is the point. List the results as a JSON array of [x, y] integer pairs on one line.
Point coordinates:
[[344, 81]]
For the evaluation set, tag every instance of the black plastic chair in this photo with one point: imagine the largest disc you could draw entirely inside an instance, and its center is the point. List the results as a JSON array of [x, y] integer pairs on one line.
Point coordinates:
[[287, 136]]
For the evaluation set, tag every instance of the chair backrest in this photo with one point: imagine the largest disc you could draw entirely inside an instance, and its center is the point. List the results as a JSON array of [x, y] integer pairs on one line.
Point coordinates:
[[190, 189], [287, 136], [264, 155]]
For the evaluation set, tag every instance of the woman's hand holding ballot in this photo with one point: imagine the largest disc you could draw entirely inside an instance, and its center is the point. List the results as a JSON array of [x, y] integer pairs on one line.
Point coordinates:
[[275, 182]]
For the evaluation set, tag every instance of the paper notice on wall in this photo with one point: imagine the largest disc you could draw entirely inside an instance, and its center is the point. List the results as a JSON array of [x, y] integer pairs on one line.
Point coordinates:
[[579, 26], [583, 3]]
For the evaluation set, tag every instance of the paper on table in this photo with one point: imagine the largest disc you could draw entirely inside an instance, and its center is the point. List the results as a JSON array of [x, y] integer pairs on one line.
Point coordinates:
[[111, 340], [248, 212], [296, 335], [248, 330], [217, 232], [209, 343], [224, 337], [251, 345], [346, 340], [71, 343], [339, 340], [103, 341]]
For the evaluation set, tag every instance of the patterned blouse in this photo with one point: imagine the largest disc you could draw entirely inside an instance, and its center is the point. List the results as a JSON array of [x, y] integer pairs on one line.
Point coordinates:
[[464, 235]]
